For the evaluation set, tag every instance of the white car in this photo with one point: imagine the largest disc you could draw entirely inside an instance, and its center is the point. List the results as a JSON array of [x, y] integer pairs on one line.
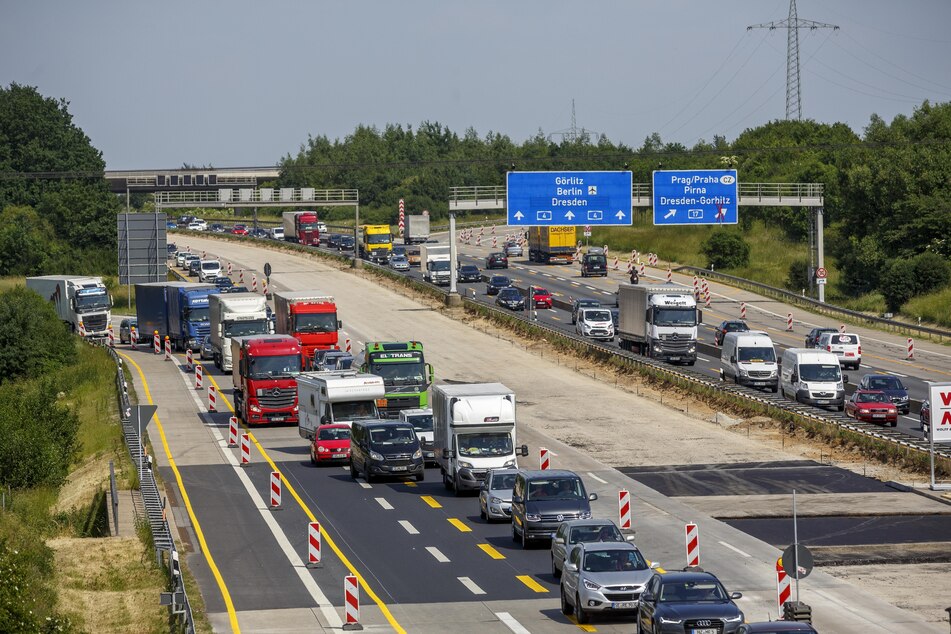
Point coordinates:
[[197, 225], [189, 258], [595, 323], [208, 270], [180, 257], [846, 346], [277, 233]]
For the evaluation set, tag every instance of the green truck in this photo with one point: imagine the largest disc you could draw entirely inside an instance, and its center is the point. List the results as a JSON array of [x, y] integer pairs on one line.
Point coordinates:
[[406, 375]]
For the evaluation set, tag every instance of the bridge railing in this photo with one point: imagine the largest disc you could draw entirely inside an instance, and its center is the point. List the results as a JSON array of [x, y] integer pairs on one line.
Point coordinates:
[[258, 196]]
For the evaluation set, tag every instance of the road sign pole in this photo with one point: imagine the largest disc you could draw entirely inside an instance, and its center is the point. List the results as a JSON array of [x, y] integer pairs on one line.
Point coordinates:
[[822, 287], [795, 539]]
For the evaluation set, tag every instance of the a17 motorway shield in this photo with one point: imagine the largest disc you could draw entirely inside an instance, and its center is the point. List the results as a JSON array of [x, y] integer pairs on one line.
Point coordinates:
[[568, 198], [695, 197]]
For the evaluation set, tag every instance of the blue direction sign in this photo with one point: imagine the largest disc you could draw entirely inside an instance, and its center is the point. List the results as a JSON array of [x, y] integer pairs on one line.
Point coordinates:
[[695, 197], [568, 198]]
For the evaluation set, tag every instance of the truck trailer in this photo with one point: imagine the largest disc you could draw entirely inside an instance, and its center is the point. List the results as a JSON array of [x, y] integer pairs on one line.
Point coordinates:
[[301, 227], [342, 396], [235, 315], [176, 309], [264, 374], [417, 229], [82, 303], [659, 321], [310, 317], [473, 431], [551, 245]]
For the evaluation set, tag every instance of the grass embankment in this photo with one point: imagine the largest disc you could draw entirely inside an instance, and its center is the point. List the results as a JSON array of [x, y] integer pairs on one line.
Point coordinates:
[[98, 583]]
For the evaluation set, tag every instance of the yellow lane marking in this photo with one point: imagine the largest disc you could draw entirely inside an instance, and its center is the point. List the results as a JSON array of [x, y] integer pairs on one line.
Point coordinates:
[[583, 628], [428, 499], [410, 484], [226, 595], [491, 552], [531, 583], [459, 524], [285, 483]]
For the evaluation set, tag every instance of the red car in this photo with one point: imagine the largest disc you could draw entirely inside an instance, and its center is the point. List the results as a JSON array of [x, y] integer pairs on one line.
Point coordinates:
[[541, 297], [239, 230], [872, 406], [331, 444]]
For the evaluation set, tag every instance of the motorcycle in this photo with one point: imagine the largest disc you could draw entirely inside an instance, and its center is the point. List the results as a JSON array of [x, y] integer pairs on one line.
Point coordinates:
[[634, 277]]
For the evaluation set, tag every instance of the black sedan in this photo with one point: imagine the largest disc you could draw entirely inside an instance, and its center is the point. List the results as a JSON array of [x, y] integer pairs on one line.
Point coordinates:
[[496, 261], [510, 298], [736, 325], [691, 601], [345, 243], [333, 239], [223, 282], [468, 273], [497, 283]]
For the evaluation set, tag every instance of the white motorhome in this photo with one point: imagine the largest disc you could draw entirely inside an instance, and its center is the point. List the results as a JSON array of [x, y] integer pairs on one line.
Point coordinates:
[[813, 377], [434, 261], [749, 358], [473, 431], [235, 315], [340, 396], [83, 303]]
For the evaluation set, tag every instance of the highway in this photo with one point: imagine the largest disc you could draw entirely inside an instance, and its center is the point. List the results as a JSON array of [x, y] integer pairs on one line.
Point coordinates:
[[424, 553]]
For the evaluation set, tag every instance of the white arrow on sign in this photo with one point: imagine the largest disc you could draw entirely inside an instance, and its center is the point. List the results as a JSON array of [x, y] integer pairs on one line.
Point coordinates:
[[519, 215], [569, 215], [620, 215], [670, 214]]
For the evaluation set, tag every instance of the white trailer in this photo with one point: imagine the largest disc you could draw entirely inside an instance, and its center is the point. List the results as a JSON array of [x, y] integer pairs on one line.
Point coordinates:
[[417, 229], [83, 303], [235, 315], [340, 396], [659, 321], [473, 431], [435, 264]]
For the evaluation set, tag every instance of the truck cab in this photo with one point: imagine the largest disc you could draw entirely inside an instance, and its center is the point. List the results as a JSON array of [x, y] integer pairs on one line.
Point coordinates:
[[310, 316], [83, 303], [339, 397], [659, 321], [404, 371], [264, 375], [435, 263], [235, 315], [376, 243]]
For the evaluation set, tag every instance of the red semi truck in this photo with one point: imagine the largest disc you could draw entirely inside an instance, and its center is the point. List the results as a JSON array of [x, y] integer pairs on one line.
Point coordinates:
[[310, 317], [301, 227], [264, 373]]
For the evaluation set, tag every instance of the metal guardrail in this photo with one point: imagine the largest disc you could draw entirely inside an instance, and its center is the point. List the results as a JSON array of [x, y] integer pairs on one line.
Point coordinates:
[[180, 607], [262, 197], [816, 305]]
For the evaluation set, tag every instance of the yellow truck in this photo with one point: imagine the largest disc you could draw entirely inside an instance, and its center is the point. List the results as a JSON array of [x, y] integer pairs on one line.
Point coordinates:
[[376, 243], [551, 245]]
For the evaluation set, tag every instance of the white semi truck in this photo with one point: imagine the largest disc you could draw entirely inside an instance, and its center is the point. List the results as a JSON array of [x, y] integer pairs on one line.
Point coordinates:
[[83, 303], [435, 264], [473, 431], [339, 396], [659, 321], [235, 315]]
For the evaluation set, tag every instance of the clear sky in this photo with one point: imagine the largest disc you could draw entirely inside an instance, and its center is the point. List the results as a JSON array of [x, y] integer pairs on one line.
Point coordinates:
[[159, 84]]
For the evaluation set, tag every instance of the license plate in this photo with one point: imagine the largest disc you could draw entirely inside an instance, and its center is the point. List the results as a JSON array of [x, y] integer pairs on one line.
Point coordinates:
[[398, 468], [340, 455], [820, 402], [675, 358], [277, 419], [759, 382], [706, 630], [624, 605], [878, 415]]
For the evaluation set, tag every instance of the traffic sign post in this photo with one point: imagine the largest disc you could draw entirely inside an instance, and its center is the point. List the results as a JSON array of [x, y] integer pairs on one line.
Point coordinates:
[[939, 425], [695, 197], [569, 198]]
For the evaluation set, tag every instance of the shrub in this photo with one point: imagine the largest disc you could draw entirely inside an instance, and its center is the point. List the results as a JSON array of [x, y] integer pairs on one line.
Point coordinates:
[[726, 250], [798, 276], [898, 283], [931, 272], [33, 340]]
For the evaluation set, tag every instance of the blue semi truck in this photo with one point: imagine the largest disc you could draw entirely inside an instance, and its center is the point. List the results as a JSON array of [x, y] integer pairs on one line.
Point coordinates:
[[176, 309]]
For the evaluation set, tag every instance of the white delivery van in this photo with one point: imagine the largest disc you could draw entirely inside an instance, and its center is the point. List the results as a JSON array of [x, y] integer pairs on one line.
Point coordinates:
[[749, 358], [422, 422], [847, 347], [813, 377]]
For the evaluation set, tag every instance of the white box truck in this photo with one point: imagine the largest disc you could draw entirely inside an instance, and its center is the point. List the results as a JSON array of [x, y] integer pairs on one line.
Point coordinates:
[[473, 431], [434, 262], [659, 321], [417, 229], [235, 315], [83, 303], [340, 396]]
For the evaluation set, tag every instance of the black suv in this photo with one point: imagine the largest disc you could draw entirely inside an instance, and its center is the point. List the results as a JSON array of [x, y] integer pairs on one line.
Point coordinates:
[[694, 600], [497, 283], [496, 261], [385, 448], [468, 273], [542, 500]]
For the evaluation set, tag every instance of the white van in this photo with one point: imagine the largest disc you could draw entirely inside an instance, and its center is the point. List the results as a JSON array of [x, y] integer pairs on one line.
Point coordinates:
[[422, 422], [749, 358], [208, 270], [845, 345], [813, 377]]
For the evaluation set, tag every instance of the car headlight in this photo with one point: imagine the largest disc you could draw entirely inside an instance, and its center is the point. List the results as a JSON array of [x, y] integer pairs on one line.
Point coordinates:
[[692, 349], [495, 500], [509, 464], [585, 515], [734, 619], [839, 386], [863, 411], [590, 585], [375, 456], [533, 517], [743, 372], [417, 454], [664, 619], [465, 465], [322, 449], [772, 374], [254, 407], [658, 348]]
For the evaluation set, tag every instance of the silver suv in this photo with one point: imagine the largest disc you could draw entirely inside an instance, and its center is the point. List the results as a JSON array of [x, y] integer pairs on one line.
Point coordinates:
[[575, 532], [601, 577]]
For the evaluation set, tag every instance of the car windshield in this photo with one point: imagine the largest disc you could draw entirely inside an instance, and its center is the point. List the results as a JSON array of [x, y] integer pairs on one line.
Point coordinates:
[[510, 293], [468, 268], [589, 303], [556, 489], [333, 433], [398, 259], [847, 340], [597, 315], [502, 482], [274, 367], [735, 326], [614, 561], [820, 372], [210, 266], [487, 444], [675, 316], [355, 410], [885, 383], [541, 291], [756, 355], [245, 328], [692, 592], [604, 533], [315, 322], [410, 372], [499, 281], [871, 397], [392, 435], [421, 422], [595, 259]]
